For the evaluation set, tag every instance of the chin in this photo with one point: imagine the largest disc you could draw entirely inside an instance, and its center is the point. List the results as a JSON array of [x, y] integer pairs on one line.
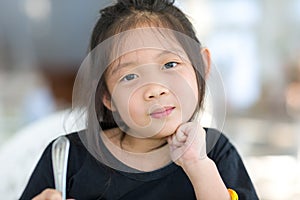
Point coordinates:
[[166, 131]]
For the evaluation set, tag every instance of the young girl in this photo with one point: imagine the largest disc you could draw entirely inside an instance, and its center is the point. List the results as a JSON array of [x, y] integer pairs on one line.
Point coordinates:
[[141, 89]]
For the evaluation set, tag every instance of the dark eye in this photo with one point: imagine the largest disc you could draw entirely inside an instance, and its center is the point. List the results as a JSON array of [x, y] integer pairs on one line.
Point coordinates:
[[129, 77], [170, 65]]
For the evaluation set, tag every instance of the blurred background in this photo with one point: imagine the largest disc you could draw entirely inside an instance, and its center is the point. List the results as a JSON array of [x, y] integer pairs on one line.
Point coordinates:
[[254, 43]]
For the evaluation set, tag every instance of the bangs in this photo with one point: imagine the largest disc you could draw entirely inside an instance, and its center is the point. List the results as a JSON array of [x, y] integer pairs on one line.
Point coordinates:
[[147, 38]]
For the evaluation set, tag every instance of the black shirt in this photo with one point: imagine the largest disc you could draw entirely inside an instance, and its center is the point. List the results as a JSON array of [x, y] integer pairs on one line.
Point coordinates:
[[87, 178]]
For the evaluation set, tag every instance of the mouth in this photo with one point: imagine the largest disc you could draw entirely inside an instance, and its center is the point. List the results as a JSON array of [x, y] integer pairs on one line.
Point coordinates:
[[162, 112]]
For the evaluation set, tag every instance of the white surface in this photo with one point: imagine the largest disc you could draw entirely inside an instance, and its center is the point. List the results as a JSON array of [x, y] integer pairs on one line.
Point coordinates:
[[275, 177]]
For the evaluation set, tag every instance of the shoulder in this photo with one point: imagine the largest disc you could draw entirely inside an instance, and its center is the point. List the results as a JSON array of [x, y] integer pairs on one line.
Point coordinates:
[[230, 164], [218, 144], [74, 139], [77, 151]]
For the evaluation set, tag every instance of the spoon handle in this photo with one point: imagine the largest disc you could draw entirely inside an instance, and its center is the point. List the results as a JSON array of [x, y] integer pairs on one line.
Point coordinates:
[[60, 153]]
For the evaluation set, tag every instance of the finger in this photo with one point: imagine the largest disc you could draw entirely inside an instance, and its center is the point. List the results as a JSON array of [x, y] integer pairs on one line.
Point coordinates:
[[169, 139], [49, 194], [186, 128], [175, 142], [180, 136]]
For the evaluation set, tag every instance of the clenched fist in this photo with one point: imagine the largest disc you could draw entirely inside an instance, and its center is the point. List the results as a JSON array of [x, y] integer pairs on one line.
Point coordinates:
[[188, 144]]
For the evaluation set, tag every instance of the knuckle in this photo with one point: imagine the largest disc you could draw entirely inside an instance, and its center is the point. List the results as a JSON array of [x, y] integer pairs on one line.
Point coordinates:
[[50, 194]]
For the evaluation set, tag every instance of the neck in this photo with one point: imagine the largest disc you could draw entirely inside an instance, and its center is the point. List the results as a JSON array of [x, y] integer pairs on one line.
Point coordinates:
[[141, 145], [142, 154]]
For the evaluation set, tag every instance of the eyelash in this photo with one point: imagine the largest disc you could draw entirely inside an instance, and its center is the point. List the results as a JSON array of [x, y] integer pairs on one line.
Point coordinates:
[[164, 67], [125, 78]]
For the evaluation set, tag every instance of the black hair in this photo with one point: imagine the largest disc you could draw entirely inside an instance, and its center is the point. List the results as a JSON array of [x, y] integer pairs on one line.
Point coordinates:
[[129, 14]]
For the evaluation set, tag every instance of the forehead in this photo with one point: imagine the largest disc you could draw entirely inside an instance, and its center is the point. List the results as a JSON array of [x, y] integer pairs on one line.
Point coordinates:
[[143, 38], [149, 40], [146, 56], [150, 55], [163, 39]]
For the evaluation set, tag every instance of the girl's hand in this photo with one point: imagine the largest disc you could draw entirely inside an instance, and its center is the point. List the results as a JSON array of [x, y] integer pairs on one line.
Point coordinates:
[[188, 144], [49, 194]]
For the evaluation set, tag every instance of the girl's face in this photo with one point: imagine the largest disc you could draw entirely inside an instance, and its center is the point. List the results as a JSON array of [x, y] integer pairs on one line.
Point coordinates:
[[153, 90]]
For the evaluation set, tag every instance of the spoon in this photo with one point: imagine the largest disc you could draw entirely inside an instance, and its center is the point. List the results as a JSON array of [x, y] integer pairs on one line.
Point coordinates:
[[60, 153]]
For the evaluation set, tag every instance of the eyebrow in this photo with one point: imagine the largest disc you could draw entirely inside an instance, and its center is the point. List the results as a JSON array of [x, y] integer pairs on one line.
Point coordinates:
[[159, 55]]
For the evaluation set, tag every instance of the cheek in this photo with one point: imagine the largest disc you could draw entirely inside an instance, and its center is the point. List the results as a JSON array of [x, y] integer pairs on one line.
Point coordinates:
[[138, 113], [191, 80], [187, 100], [131, 108], [186, 90]]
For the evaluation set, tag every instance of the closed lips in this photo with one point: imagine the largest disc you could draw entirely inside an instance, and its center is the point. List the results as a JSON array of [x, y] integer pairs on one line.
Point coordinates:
[[162, 112]]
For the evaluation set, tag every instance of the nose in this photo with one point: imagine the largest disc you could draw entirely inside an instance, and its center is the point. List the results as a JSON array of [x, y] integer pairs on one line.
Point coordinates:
[[154, 91]]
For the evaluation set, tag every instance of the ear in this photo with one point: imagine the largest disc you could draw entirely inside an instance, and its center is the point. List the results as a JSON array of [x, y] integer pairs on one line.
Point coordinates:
[[107, 101], [207, 60]]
